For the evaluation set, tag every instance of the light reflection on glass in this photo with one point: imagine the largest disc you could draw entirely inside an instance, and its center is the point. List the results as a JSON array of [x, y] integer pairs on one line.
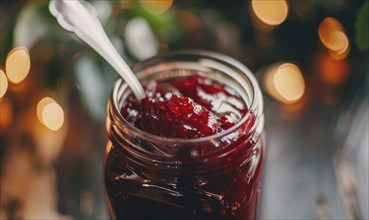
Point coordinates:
[[18, 64]]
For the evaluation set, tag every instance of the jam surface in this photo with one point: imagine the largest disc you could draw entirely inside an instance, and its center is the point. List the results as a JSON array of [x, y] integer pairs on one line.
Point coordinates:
[[189, 107]]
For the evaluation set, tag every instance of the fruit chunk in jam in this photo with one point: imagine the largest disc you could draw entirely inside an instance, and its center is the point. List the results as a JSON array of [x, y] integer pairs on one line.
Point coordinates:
[[191, 107]]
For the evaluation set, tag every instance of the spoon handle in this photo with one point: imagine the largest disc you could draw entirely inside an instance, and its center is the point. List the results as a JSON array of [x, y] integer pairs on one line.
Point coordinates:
[[80, 18]]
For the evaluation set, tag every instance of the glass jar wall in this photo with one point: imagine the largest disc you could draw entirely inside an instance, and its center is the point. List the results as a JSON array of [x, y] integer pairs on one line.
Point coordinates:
[[213, 177]]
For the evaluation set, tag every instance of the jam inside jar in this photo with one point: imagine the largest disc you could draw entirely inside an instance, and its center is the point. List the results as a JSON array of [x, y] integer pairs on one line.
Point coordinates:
[[161, 173]]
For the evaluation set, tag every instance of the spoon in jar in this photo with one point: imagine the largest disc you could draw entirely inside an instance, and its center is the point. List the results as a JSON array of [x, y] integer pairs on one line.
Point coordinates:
[[80, 17]]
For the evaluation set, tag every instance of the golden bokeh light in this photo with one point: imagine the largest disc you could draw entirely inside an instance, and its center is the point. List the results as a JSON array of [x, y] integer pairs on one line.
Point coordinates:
[[270, 12], [53, 116], [333, 37], [156, 6], [289, 82], [284, 82], [3, 83], [337, 41], [50, 113], [327, 27], [341, 54], [18, 64], [41, 105]]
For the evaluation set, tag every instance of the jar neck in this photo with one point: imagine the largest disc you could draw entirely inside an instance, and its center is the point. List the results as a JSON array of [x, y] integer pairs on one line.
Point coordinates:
[[188, 155]]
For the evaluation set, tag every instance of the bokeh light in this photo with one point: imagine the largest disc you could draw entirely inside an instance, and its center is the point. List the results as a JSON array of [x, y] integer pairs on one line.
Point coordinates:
[[3, 83], [270, 12], [289, 82], [141, 41], [341, 54], [338, 41], [17, 64], [53, 116], [6, 112], [333, 37], [50, 113], [332, 71], [326, 28], [284, 82], [156, 6], [41, 105]]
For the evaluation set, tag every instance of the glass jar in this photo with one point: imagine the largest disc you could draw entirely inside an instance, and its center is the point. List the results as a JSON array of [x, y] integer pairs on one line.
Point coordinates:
[[213, 177]]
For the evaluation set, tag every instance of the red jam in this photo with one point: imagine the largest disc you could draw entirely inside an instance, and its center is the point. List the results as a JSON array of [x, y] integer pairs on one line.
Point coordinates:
[[220, 187], [185, 108]]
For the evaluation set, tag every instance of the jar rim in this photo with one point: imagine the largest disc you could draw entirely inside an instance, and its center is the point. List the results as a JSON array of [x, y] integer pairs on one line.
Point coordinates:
[[255, 108]]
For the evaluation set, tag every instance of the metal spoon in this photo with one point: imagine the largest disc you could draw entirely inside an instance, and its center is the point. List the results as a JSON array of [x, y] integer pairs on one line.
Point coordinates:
[[80, 17]]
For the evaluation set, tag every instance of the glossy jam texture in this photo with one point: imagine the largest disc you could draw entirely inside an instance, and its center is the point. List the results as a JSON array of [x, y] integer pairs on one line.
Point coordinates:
[[190, 107]]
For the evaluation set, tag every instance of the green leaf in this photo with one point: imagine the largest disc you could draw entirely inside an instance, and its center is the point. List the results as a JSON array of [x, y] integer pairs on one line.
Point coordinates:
[[362, 27]]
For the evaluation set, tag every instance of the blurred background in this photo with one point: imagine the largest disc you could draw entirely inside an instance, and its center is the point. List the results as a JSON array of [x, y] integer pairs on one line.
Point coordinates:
[[310, 58]]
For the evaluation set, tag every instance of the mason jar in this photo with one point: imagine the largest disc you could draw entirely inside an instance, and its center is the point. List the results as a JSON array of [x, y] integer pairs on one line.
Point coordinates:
[[212, 177]]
